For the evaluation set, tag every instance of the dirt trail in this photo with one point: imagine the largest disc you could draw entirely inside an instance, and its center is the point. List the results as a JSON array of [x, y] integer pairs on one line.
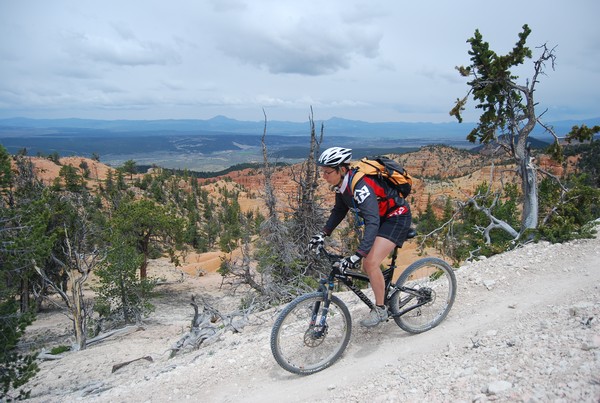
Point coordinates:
[[525, 327]]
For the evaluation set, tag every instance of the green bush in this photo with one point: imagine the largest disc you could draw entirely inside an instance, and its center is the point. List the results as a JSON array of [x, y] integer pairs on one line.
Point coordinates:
[[59, 350], [568, 215]]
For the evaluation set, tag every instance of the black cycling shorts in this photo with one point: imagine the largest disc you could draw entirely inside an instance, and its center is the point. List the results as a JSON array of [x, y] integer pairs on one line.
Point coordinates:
[[395, 228]]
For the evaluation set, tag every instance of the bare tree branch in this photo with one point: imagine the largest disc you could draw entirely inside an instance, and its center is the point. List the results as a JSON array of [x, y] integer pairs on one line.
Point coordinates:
[[209, 324]]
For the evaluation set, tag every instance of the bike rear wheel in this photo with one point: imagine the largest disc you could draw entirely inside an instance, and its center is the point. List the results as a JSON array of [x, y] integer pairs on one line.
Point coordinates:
[[425, 293], [299, 342]]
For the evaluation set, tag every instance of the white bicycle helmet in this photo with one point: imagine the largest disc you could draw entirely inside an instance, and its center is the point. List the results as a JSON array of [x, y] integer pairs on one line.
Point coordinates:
[[335, 156]]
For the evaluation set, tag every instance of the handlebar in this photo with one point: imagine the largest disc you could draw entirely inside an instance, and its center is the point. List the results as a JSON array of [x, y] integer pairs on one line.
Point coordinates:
[[332, 257]]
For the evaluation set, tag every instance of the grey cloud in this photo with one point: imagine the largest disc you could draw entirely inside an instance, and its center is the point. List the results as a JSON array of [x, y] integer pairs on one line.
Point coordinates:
[[302, 51], [128, 52], [123, 31]]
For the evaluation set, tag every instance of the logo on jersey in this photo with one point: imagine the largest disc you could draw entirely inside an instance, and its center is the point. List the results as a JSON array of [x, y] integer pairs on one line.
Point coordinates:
[[399, 211], [361, 194]]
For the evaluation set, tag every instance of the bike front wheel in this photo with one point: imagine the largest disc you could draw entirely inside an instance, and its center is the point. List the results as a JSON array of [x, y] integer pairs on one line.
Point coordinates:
[[424, 295], [306, 338]]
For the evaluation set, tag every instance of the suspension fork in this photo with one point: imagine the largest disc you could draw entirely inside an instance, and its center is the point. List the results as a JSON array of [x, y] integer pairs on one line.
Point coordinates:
[[327, 291]]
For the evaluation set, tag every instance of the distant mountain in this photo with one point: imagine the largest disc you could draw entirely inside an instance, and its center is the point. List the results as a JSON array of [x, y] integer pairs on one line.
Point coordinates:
[[223, 124]]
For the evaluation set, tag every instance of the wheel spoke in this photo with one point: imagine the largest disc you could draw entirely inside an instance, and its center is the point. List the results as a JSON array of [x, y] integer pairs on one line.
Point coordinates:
[[302, 347], [427, 292]]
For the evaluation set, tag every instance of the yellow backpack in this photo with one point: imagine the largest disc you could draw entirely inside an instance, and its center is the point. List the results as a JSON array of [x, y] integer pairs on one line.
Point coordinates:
[[383, 168]]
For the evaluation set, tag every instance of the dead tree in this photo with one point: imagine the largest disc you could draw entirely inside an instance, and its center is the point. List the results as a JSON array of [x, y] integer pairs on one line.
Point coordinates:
[[279, 263], [306, 211], [80, 256], [270, 198], [208, 325]]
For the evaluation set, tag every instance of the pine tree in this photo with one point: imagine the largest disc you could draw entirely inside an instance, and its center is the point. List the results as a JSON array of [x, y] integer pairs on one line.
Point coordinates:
[[428, 220], [23, 220], [149, 227], [121, 294]]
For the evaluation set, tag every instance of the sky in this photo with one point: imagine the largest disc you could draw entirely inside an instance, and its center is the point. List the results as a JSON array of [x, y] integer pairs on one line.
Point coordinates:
[[375, 60]]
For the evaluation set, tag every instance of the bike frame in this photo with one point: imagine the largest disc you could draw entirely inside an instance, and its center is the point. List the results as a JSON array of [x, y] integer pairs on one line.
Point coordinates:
[[327, 285]]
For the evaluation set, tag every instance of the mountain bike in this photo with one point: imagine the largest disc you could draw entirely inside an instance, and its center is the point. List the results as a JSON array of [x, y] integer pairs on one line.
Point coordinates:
[[312, 331]]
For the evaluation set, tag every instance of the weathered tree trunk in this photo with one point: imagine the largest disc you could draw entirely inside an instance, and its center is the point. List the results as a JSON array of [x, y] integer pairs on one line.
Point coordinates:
[[527, 170], [529, 187], [79, 312], [145, 248], [270, 199], [144, 268], [125, 302], [24, 294]]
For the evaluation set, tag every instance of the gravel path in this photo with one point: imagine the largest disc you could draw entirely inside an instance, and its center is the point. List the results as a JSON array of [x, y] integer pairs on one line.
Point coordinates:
[[525, 327]]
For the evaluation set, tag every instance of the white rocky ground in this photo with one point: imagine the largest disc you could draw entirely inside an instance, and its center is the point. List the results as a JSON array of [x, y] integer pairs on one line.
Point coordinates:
[[525, 327]]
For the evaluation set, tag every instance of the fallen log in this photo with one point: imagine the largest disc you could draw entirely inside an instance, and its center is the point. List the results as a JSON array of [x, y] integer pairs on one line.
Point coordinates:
[[116, 332], [44, 355], [117, 367]]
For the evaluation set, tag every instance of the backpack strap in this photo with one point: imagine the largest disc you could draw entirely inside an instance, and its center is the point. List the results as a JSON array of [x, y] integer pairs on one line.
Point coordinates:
[[356, 176]]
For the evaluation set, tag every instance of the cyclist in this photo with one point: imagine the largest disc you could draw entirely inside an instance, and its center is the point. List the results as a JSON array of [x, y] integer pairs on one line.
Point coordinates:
[[386, 216]]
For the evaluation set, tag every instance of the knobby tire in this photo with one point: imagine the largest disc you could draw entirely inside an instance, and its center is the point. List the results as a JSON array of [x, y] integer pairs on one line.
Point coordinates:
[[429, 286], [303, 348]]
